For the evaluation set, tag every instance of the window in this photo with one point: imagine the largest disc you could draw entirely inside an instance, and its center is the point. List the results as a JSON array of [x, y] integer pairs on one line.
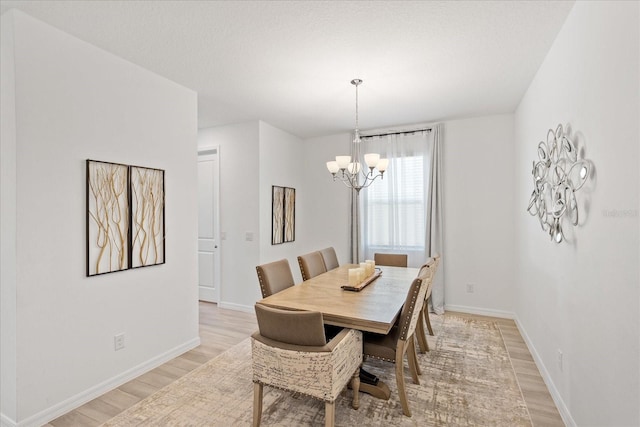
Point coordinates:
[[395, 214], [393, 210]]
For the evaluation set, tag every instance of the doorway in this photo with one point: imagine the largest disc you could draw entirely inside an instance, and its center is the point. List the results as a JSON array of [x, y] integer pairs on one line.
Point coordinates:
[[208, 225]]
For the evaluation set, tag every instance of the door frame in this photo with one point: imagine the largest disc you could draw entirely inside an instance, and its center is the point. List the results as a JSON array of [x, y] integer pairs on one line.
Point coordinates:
[[217, 277]]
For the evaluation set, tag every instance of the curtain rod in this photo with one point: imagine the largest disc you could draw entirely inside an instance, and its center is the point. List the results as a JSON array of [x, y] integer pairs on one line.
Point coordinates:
[[396, 133]]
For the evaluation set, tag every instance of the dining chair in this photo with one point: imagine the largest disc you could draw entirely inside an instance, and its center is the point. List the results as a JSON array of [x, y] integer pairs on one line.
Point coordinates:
[[400, 340], [311, 265], [330, 258], [274, 277], [391, 260], [431, 266], [290, 352]]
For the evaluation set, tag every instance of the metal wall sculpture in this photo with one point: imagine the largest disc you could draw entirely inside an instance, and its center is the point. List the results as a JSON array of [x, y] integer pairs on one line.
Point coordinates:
[[557, 175], [125, 217]]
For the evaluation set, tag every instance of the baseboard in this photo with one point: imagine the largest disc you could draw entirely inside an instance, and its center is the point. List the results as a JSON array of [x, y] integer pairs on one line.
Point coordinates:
[[43, 417], [480, 311], [236, 307], [555, 395], [6, 421]]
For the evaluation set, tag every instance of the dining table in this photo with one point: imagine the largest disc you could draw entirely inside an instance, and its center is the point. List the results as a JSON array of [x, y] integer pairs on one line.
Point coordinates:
[[374, 308]]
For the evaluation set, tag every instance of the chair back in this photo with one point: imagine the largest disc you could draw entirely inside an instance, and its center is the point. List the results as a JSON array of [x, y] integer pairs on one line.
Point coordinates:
[[392, 260], [291, 327], [274, 277], [330, 258], [434, 263], [428, 268], [311, 265], [412, 306]]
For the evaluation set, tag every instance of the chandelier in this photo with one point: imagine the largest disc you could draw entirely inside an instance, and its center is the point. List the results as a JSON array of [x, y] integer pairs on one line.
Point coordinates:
[[352, 173]]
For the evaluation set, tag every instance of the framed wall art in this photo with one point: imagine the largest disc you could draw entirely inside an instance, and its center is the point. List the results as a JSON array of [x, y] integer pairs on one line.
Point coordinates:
[[147, 216], [289, 214], [107, 217], [125, 217], [277, 214], [283, 223]]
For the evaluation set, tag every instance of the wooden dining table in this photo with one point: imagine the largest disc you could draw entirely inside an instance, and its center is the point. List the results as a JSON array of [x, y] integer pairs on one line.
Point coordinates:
[[375, 308]]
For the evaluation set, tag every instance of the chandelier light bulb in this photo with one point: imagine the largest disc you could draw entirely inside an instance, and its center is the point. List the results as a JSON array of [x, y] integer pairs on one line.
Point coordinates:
[[343, 161], [382, 165], [333, 167]]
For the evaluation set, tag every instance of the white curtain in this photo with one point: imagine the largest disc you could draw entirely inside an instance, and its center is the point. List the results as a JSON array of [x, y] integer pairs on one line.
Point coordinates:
[[394, 209], [402, 213], [435, 225]]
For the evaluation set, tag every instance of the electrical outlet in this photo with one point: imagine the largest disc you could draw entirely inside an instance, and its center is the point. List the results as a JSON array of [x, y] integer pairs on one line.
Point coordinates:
[[560, 361], [118, 342], [470, 288], [249, 236]]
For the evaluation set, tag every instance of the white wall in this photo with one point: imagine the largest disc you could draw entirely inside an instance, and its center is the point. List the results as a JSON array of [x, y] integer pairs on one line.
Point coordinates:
[[253, 157], [239, 211], [8, 291], [328, 211], [582, 296], [282, 164], [478, 215], [74, 102]]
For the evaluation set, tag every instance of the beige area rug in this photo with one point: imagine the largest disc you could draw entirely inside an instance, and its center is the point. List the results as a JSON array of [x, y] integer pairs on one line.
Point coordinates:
[[467, 380]]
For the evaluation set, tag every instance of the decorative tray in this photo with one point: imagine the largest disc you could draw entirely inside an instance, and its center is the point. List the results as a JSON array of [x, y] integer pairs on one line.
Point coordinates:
[[362, 285]]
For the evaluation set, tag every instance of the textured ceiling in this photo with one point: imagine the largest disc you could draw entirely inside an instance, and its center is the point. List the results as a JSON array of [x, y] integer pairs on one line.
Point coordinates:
[[290, 63]]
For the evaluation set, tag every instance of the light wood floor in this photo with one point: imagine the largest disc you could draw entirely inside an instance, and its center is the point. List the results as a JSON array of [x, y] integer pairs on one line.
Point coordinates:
[[221, 329]]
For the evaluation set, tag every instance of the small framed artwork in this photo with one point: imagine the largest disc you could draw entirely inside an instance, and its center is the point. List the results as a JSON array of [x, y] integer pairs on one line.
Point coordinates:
[[289, 214], [147, 216], [283, 223], [107, 218], [277, 213]]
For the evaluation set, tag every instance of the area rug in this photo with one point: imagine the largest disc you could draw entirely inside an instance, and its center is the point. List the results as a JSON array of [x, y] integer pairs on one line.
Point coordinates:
[[467, 380]]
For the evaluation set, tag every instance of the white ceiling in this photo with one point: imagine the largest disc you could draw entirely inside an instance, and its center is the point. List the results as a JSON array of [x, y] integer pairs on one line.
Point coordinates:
[[289, 63]]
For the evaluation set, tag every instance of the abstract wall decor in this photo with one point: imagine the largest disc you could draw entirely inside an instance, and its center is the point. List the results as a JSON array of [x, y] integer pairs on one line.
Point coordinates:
[[147, 216], [289, 214], [558, 174], [125, 217], [277, 213], [107, 217], [283, 223]]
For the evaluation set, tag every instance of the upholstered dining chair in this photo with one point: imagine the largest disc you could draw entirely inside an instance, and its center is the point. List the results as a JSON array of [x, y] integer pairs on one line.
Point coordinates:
[[400, 340], [290, 352], [392, 260], [311, 265], [274, 277], [330, 258], [429, 268]]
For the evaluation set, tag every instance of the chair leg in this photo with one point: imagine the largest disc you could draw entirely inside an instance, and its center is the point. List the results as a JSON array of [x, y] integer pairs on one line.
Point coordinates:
[[400, 350], [329, 414], [355, 386], [257, 404], [413, 360], [415, 355], [426, 316], [422, 338]]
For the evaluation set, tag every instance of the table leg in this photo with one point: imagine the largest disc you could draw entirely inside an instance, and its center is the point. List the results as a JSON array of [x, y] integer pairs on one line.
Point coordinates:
[[370, 384]]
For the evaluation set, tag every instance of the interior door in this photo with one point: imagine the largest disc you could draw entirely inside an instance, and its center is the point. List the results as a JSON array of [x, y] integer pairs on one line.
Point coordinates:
[[208, 226]]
